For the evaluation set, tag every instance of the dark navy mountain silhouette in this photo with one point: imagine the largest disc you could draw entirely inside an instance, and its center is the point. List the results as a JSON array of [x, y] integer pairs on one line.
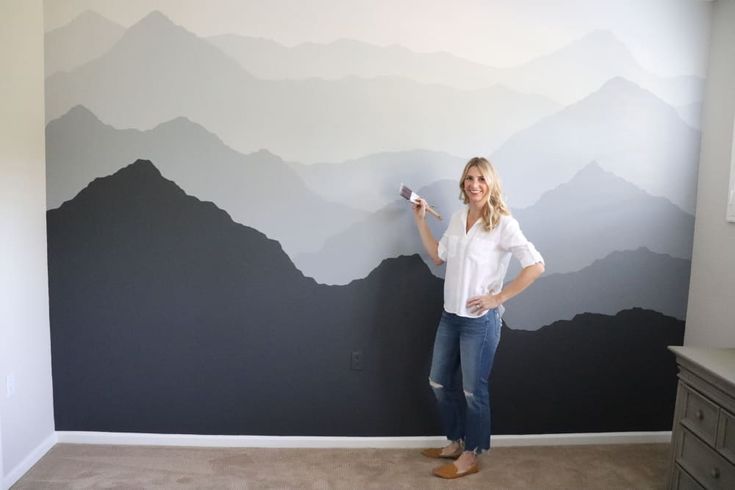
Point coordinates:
[[160, 300], [567, 377]]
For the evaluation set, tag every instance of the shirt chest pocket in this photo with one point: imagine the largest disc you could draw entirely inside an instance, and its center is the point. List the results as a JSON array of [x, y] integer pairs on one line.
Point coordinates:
[[480, 251]]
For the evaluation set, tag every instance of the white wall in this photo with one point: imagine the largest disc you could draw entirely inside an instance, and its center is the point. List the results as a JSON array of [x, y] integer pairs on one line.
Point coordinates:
[[25, 352], [711, 311]]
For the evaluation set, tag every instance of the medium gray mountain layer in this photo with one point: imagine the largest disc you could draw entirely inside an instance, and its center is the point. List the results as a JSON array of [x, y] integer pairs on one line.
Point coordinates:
[[389, 232], [621, 280], [258, 190]]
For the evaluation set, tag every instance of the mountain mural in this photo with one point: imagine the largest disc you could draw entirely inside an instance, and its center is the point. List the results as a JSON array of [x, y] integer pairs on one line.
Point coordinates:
[[239, 289], [589, 61], [628, 130], [310, 120], [186, 308], [80, 147]]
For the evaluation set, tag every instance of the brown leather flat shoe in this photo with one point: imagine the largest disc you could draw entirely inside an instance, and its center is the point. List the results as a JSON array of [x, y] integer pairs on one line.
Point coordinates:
[[436, 453], [449, 471]]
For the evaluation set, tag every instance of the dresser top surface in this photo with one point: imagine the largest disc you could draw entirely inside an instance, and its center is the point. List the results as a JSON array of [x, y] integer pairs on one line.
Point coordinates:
[[720, 362]]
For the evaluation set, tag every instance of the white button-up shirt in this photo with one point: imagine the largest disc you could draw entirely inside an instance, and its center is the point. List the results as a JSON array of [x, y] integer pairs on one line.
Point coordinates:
[[477, 261]]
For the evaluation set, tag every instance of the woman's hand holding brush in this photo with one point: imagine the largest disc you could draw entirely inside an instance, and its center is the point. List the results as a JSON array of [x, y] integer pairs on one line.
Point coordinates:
[[419, 209], [415, 199]]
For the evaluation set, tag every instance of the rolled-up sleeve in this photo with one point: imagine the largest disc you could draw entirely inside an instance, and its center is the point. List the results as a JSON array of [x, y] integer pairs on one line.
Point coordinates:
[[442, 248], [516, 242]]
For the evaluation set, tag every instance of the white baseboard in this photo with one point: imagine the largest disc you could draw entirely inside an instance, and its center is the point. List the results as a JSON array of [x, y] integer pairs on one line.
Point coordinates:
[[138, 439], [33, 457]]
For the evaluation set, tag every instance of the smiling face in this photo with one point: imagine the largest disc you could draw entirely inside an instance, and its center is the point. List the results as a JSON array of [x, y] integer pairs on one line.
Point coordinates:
[[475, 187]]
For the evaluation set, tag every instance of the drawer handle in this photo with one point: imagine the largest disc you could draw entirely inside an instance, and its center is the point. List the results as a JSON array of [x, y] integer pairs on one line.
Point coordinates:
[[700, 415], [715, 473]]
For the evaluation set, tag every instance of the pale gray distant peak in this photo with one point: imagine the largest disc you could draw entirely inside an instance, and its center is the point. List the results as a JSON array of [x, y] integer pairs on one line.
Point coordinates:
[[619, 89], [155, 18], [85, 38], [593, 171], [88, 18], [184, 122], [160, 27], [80, 111], [592, 46], [594, 183]]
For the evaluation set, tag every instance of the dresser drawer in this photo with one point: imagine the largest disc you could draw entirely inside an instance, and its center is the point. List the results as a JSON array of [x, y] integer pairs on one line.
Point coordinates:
[[704, 464], [682, 481], [726, 435], [700, 415]]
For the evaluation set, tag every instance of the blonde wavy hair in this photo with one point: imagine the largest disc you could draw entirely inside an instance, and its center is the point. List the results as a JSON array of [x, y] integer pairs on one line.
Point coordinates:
[[495, 206]]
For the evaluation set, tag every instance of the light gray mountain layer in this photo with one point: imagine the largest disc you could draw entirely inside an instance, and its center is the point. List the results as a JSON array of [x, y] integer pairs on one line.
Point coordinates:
[[389, 232], [587, 63], [628, 130], [621, 280], [258, 190], [579, 222], [566, 75], [159, 71], [87, 37], [596, 213], [372, 182]]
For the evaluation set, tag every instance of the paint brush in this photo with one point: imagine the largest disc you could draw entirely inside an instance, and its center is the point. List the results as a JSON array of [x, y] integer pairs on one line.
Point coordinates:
[[410, 195]]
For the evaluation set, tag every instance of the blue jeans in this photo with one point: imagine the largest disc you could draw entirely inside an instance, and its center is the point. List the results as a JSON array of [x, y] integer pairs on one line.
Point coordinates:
[[464, 350]]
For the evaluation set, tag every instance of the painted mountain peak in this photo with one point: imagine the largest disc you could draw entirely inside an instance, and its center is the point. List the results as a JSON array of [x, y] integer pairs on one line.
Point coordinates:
[[86, 37], [600, 213], [626, 128], [88, 18]]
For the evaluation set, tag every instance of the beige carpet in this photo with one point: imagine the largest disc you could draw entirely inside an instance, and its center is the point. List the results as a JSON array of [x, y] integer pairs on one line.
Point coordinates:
[[610, 467]]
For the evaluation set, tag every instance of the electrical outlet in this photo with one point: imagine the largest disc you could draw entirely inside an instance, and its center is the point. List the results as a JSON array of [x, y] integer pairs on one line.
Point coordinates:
[[10, 385], [356, 361]]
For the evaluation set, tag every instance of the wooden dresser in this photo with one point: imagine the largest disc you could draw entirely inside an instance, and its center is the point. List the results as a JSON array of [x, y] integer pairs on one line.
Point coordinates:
[[703, 436]]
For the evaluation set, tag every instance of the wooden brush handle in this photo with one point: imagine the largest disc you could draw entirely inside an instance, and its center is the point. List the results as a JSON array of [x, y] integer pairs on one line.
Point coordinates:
[[432, 211]]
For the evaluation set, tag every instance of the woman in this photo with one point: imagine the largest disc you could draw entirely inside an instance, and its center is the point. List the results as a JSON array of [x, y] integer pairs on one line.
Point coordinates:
[[476, 247]]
